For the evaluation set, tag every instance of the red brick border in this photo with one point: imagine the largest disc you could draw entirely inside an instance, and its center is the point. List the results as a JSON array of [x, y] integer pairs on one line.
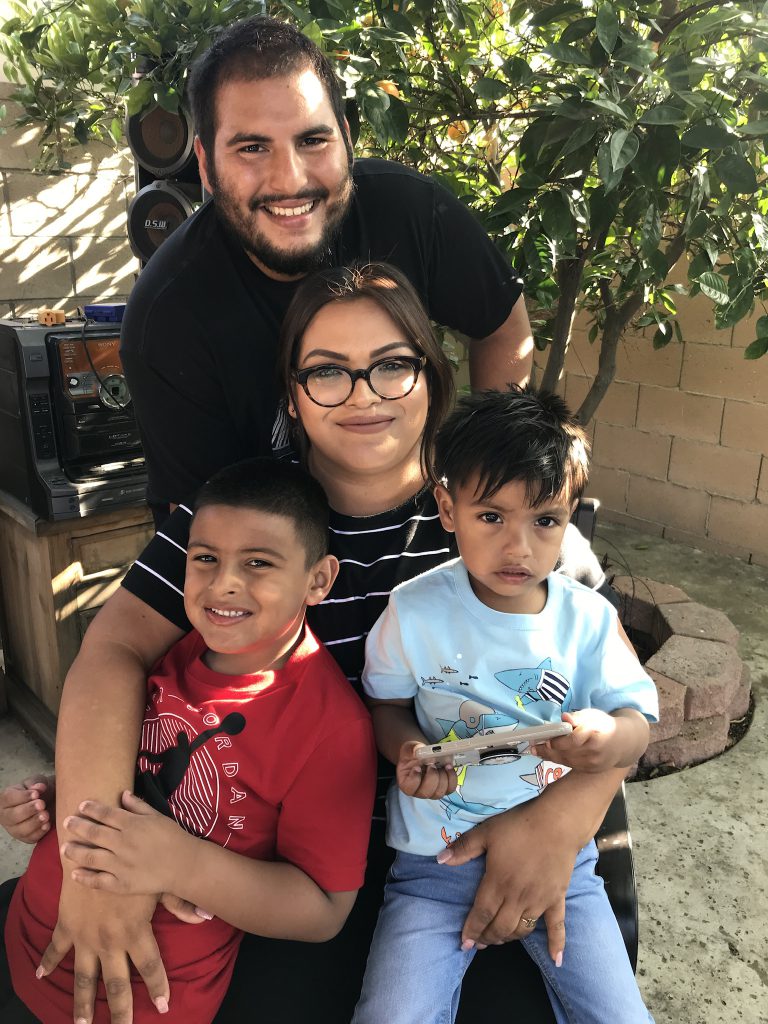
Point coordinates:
[[702, 682]]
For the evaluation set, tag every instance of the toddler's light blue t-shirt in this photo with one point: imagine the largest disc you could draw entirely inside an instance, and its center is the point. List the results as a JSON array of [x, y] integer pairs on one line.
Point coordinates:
[[470, 668]]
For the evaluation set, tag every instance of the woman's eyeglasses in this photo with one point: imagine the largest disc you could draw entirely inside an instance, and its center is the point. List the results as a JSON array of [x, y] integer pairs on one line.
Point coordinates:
[[391, 378]]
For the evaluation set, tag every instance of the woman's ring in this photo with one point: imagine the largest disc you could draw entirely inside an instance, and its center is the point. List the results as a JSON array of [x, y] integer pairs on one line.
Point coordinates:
[[529, 922]]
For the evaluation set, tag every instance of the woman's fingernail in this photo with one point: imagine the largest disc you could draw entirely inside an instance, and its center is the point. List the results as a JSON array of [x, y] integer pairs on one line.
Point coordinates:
[[444, 856], [161, 1004], [559, 959], [40, 972], [81, 1020], [68, 821], [204, 914], [466, 945], [481, 945]]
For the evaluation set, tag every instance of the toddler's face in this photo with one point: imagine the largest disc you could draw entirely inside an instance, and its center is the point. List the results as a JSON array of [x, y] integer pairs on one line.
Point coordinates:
[[508, 547]]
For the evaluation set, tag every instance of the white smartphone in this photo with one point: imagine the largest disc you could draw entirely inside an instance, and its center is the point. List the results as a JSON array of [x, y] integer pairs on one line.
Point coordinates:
[[495, 746]]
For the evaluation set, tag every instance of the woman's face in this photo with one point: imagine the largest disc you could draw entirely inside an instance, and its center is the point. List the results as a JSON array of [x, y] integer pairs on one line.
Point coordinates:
[[367, 434]]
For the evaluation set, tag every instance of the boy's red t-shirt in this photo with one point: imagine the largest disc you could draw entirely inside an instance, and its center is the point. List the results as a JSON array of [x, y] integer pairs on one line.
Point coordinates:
[[278, 766]]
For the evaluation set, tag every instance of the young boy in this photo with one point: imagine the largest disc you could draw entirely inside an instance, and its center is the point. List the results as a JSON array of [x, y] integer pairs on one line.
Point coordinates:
[[496, 638], [252, 739]]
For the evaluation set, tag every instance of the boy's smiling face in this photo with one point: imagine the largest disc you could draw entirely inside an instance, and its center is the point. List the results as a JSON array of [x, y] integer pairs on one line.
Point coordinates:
[[247, 587], [508, 547]]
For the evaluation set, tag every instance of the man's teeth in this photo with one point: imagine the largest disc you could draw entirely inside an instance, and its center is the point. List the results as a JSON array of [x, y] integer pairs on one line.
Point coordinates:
[[228, 614], [289, 211]]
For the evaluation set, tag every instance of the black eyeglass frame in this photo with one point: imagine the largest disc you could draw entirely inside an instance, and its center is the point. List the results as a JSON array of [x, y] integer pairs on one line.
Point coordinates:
[[418, 363]]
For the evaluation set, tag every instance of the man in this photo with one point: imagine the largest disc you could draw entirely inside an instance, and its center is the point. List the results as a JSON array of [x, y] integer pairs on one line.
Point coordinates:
[[200, 332]]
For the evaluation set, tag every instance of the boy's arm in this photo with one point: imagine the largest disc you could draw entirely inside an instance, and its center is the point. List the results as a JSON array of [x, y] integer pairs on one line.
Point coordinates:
[[142, 851], [599, 740], [397, 736]]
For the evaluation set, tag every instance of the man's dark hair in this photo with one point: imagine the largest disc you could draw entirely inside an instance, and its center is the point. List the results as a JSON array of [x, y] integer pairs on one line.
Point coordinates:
[[277, 488], [520, 434], [256, 48]]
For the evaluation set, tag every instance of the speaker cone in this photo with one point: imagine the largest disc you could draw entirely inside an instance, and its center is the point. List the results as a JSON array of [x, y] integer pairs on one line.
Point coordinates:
[[155, 213], [161, 141]]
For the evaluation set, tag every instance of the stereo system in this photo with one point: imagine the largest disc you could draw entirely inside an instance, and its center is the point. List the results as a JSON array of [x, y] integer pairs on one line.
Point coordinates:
[[168, 187], [69, 443]]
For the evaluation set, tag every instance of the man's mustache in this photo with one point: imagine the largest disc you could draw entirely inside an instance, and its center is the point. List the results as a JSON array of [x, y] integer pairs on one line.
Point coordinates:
[[255, 202]]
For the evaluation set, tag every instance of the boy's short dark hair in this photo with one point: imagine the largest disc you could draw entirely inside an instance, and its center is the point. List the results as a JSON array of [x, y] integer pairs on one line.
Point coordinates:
[[520, 434], [277, 488], [249, 50]]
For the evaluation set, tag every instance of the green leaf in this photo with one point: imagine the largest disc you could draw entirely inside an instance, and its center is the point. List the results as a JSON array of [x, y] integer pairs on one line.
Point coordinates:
[[665, 113], [613, 108], [737, 174], [313, 31], [577, 30], [651, 231], [517, 71], [663, 335], [624, 146], [714, 287], [138, 97], [754, 128], [760, 224], [762, 327], [583, 134], [607, 27], [555, 12], [757, 349], [567, 54], [490, 89], [706, 135]]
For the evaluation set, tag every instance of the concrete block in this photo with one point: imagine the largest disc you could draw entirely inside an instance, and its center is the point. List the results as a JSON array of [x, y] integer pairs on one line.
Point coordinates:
[[103, 267], [745, 426], [581, 357], [724, 372], [618, 407], [19, 147], [697, 621], [697, 320], [639, 597], [729, 472], [697, 741], [671, 708], [610, 486], [762, 486], [705, 543], [68, 204], [710, 671], [740, 703], [745, 331], [671, 411], [731, 521], [633, 522], [668, 504], [36, 268], [637, 361], [640, 453]]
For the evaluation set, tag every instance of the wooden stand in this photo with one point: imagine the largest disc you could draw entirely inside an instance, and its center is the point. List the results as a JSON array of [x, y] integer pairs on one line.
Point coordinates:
[[54, 576]]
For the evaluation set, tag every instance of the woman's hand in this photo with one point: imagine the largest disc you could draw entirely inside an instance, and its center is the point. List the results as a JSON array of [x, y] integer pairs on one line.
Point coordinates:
[[419, 779], [107, 934], [529, 863], [26, 808], [129, 851]]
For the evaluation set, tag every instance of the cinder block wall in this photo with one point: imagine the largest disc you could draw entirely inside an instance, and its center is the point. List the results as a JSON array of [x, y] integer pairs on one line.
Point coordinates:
[[62, 237], [680, 443]]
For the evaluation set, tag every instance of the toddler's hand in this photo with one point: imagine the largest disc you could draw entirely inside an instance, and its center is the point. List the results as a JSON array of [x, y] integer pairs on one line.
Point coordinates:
[[26, 808], [420, 779], [590, 747]]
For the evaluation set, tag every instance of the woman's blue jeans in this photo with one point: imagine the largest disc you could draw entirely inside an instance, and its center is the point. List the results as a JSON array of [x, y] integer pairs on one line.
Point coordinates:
[[416, 965]]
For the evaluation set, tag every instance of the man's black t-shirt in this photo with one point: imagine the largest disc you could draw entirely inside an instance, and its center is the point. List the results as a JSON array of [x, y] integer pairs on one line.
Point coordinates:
[[199, 338]]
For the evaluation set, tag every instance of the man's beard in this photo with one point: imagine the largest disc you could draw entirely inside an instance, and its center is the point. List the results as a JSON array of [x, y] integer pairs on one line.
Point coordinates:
[[290, 262]]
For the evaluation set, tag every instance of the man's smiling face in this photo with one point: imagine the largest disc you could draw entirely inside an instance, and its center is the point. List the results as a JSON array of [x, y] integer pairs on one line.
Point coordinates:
[[280, 170]]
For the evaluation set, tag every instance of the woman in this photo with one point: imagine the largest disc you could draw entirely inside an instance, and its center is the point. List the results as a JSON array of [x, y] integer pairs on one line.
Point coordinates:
[[366, 386]]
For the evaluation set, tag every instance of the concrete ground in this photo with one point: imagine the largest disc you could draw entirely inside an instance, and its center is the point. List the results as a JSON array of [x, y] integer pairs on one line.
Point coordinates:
[[700, 838]]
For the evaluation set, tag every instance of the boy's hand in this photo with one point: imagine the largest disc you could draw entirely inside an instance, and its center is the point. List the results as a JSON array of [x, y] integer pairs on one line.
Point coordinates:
[[419, 779], [26, 808], [599, 741], [129, 851]]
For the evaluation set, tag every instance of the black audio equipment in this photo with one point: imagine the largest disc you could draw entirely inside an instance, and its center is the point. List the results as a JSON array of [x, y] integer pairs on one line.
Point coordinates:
[[69, 443], [168, 187]]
